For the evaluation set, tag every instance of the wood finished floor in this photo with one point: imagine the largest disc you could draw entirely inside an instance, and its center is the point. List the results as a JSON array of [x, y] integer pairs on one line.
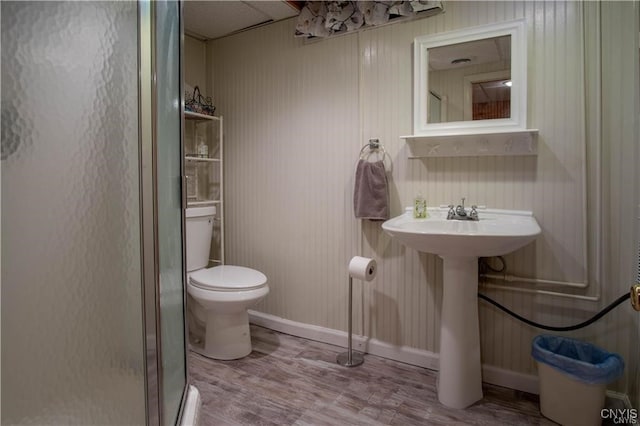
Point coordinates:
[[293, 381]]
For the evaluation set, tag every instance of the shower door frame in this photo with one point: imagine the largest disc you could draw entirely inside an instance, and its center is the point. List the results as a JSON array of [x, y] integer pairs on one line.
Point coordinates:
[[148, 107]]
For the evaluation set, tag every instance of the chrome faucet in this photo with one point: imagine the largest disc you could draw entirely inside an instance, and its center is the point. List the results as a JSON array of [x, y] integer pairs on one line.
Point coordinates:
[[460, 209], [461, 214]]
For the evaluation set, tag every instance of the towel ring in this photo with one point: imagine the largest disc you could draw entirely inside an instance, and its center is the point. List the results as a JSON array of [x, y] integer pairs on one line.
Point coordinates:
[[373, 145]]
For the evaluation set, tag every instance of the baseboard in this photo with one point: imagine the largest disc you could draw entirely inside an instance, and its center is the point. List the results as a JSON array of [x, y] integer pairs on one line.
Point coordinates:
[[510, 379], [408, 355]]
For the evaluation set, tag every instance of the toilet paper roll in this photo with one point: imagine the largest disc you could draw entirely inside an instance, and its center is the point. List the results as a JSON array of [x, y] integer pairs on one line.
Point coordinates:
[[362, 268]]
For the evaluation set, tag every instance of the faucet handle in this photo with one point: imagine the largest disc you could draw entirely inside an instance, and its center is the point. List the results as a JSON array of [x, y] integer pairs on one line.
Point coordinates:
[[463, 198], [451, 213], [473, 213]]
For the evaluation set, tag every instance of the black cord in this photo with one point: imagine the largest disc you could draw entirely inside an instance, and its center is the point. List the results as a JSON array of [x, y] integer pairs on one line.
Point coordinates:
[[593, 319]]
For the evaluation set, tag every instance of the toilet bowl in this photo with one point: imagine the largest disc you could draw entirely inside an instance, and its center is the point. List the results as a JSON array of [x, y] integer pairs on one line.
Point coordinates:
[[218, 297]]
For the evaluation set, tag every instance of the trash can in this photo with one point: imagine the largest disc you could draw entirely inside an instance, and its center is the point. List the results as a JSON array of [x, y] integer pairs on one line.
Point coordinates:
[[573, 378]]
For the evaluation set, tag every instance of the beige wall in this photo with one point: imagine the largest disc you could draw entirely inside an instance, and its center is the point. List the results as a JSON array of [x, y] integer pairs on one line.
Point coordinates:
[[297, 114], [620, 95], [195, 65]]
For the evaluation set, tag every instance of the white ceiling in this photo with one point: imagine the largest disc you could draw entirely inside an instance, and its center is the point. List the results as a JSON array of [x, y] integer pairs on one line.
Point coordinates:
[[477, 51], [208, 20]]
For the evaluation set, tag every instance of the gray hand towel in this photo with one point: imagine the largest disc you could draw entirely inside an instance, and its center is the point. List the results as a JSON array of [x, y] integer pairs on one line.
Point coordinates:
[[370, 195]]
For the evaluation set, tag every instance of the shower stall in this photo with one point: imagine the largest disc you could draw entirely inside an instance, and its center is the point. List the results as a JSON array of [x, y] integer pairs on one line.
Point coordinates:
[[92, 304]]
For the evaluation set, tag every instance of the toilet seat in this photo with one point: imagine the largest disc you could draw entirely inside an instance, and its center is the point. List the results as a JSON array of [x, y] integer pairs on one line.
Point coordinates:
[[228, 278]]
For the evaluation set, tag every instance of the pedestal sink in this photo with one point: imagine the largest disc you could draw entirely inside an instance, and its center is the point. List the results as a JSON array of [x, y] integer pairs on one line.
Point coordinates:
[[459, 244]]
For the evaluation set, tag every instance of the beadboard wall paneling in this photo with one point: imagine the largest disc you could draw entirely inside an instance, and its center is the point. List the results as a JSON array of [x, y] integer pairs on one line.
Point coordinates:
[[621, 100], [297, 114], [195, 66], [291, 132], [551, 185]]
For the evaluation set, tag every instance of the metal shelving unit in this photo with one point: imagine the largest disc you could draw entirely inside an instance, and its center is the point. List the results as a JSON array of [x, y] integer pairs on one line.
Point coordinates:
[[205, 174]]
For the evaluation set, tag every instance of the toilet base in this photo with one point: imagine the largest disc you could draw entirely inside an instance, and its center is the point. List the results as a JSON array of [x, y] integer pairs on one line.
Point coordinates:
[[227, 336]]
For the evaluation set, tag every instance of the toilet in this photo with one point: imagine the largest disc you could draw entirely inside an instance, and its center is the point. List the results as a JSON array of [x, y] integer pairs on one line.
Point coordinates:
[[218, 297]]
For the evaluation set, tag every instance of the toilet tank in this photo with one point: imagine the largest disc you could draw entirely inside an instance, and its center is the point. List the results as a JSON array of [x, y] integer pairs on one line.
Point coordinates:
[[199, 225]]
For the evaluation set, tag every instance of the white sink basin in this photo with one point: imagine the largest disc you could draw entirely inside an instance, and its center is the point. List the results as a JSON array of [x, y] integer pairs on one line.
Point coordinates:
[[460, 243], [497, 232]]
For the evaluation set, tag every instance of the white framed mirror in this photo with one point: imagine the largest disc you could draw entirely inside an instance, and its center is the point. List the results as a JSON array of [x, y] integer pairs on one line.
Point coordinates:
[[471, 81]]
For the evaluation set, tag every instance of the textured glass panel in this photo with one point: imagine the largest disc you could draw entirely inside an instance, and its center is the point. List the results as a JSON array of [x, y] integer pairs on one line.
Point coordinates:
[[72, 349], [170, 209]]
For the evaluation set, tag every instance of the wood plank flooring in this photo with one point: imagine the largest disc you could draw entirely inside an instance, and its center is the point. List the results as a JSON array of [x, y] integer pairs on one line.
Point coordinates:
[[293, 381]]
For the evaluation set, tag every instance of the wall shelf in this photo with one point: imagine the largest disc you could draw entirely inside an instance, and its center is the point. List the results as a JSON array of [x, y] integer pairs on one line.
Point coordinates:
[[190, 115], [191, 158], [487, 142], [202, 203]]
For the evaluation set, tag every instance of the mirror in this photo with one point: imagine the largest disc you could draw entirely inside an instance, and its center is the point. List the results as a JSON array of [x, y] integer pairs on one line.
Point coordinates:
[[476, 78], [471, 81]]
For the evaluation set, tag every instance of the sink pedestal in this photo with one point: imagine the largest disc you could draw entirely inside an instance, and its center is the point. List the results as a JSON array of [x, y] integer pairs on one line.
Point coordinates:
[[460, 375]]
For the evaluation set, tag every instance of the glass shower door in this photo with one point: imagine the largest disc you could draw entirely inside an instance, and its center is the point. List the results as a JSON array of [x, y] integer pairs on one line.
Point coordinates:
[[92, 282], [72, 347]]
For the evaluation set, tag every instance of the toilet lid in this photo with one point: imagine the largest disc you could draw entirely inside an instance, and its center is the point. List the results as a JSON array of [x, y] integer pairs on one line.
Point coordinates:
[[229, 278]]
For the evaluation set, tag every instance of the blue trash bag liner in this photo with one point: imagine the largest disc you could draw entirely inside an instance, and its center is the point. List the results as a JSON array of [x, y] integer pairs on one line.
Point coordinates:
[[577, 359]]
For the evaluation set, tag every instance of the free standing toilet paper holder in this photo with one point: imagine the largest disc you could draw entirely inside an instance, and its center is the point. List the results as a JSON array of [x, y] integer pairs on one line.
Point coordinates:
[[350, 358]]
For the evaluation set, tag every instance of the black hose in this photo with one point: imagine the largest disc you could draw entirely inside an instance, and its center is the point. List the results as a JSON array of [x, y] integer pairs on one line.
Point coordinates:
[[593, 319]]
